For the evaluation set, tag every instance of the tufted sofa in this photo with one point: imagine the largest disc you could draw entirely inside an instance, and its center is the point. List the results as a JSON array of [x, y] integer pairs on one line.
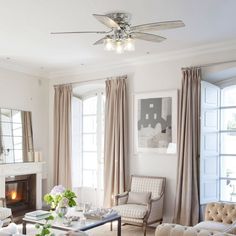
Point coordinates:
[[220, 220], [180, 230], [219, 216]]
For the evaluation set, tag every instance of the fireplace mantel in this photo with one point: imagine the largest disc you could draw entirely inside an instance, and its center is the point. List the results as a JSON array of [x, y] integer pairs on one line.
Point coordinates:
[[23, 169]]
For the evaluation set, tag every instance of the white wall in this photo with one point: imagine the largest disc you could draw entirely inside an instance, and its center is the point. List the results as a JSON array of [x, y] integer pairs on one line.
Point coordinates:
[[146, 77], [24, 92]]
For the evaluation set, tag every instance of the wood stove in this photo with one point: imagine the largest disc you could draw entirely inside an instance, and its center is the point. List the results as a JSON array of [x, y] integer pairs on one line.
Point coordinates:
[[20, 192]]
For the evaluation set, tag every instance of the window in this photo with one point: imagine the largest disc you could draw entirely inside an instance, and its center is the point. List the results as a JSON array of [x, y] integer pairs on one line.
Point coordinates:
[[218, 143], [87, 140], [228, 144], [92, 139]]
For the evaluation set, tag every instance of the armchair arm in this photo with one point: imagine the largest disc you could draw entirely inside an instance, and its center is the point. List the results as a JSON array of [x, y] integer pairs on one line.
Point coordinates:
[[155, 210], [2, 202], [231, 229], [121, 199]]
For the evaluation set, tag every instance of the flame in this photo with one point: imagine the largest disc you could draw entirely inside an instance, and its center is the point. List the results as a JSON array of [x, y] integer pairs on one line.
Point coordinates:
[[13, 195]]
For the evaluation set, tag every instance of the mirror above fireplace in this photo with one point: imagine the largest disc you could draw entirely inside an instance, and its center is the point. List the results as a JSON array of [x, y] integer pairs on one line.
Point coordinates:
[[16, 136]]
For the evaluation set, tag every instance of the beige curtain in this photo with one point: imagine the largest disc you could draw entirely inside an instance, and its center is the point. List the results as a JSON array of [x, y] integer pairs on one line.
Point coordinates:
[[187, 194], [1, 144], [115, 146], [27, 136], [62, 135]]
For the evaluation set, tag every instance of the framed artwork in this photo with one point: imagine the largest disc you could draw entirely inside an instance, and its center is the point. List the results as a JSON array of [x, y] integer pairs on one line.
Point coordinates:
[[155, 121]]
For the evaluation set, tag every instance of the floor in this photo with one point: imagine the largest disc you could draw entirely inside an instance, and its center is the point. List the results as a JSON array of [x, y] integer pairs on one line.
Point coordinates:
[[103, 231], [126, 231]]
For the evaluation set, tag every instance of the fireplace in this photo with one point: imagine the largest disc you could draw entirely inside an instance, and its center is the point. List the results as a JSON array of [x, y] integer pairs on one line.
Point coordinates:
[[20, 192]]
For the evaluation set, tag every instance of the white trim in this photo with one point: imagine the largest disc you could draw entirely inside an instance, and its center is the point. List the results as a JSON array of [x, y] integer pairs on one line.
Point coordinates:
[[147, 59]]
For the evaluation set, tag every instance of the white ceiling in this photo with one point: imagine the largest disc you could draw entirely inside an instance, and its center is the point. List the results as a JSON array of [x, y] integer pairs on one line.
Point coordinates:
[[25, 27]]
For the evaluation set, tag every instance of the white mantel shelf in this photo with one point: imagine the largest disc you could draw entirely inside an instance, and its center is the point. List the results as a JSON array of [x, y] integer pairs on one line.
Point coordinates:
[[23, 169]]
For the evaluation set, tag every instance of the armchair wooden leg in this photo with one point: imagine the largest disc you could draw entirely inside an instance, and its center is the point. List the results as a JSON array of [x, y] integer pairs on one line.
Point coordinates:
[[144, 229], [111, 226]]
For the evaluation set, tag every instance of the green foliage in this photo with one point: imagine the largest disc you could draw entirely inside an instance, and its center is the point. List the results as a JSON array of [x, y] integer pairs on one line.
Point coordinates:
[[45, 230], [54, 200]]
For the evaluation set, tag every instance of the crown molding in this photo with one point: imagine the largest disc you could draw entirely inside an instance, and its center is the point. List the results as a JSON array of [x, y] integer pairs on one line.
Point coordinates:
[[102, 67], [147, 59], [23, 69]]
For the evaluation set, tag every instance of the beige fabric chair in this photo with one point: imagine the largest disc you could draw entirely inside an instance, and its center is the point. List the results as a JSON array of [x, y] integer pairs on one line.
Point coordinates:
[[219, 216], [5, 213], [180, 230], [142, 214]]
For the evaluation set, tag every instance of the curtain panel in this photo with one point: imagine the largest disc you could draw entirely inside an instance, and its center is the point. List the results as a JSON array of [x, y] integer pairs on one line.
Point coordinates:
[[187, 192], [115, 140], [62, 135]]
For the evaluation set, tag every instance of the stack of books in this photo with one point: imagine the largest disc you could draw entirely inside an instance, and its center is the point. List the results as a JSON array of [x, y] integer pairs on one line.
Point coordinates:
[[37, 215]]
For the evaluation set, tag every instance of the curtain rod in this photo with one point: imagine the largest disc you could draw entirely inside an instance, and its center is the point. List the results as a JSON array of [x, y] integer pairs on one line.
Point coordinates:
[[91, 80], [211, 64]]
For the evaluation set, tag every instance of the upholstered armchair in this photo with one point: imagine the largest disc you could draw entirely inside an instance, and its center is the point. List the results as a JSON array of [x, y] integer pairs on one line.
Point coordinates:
[[142, 205], [5, 213]]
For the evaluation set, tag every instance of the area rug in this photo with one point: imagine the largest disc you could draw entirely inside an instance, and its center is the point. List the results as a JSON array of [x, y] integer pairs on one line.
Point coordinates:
[[104, 230]]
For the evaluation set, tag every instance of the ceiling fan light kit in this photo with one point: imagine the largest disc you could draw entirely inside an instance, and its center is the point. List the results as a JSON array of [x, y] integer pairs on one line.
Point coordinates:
[[122, 35], [119, 45]]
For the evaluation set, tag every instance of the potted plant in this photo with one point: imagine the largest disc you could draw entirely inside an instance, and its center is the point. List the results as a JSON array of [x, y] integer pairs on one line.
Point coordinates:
[[60, 199]]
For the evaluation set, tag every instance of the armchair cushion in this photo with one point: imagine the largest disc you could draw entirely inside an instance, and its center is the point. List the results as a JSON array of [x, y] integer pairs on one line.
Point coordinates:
[[131, 211], [140, 198]]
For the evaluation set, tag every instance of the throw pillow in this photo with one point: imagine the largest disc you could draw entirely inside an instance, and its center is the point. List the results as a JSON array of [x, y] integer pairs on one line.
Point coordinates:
[[140, 198]]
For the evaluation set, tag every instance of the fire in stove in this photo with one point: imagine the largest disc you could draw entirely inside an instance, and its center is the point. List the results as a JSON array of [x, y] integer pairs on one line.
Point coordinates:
[[13, 195]]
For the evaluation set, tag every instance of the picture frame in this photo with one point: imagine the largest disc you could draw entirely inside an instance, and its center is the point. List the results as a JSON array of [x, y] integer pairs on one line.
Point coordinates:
[[155, 122]]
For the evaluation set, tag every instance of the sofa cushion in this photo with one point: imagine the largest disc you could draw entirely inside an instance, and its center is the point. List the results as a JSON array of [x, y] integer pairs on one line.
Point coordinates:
[[180, 230], [212, 225], [141, 198], [131, 210]]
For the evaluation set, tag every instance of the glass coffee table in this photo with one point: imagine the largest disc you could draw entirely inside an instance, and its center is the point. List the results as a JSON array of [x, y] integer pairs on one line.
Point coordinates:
[[80, 225]]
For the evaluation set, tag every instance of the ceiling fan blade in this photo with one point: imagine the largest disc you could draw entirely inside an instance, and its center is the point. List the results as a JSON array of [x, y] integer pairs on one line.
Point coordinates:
[[82, 32], [148, 37], [107, 21], [158, 26], [100, 41]]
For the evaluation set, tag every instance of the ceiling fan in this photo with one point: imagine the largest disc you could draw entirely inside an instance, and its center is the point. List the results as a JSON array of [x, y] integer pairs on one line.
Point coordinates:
[[122, 34]]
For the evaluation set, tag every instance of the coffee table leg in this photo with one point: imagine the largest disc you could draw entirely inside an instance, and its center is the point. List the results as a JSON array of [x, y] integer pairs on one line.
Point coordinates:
[[24, 227], [119, 227]]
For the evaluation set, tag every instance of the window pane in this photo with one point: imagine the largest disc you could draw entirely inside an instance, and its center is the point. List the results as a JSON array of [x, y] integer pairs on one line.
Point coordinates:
[[228, 164], [16, 116], [9, 156], [6, 128], [89, 124], [90, 106], [90, 160], [89, 142], [228, 190], [228, 96], [7, 142], [17, 129], [6, 115], [17, 142], [89, 178], [228, 141], [228, 119], [18, 155]]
